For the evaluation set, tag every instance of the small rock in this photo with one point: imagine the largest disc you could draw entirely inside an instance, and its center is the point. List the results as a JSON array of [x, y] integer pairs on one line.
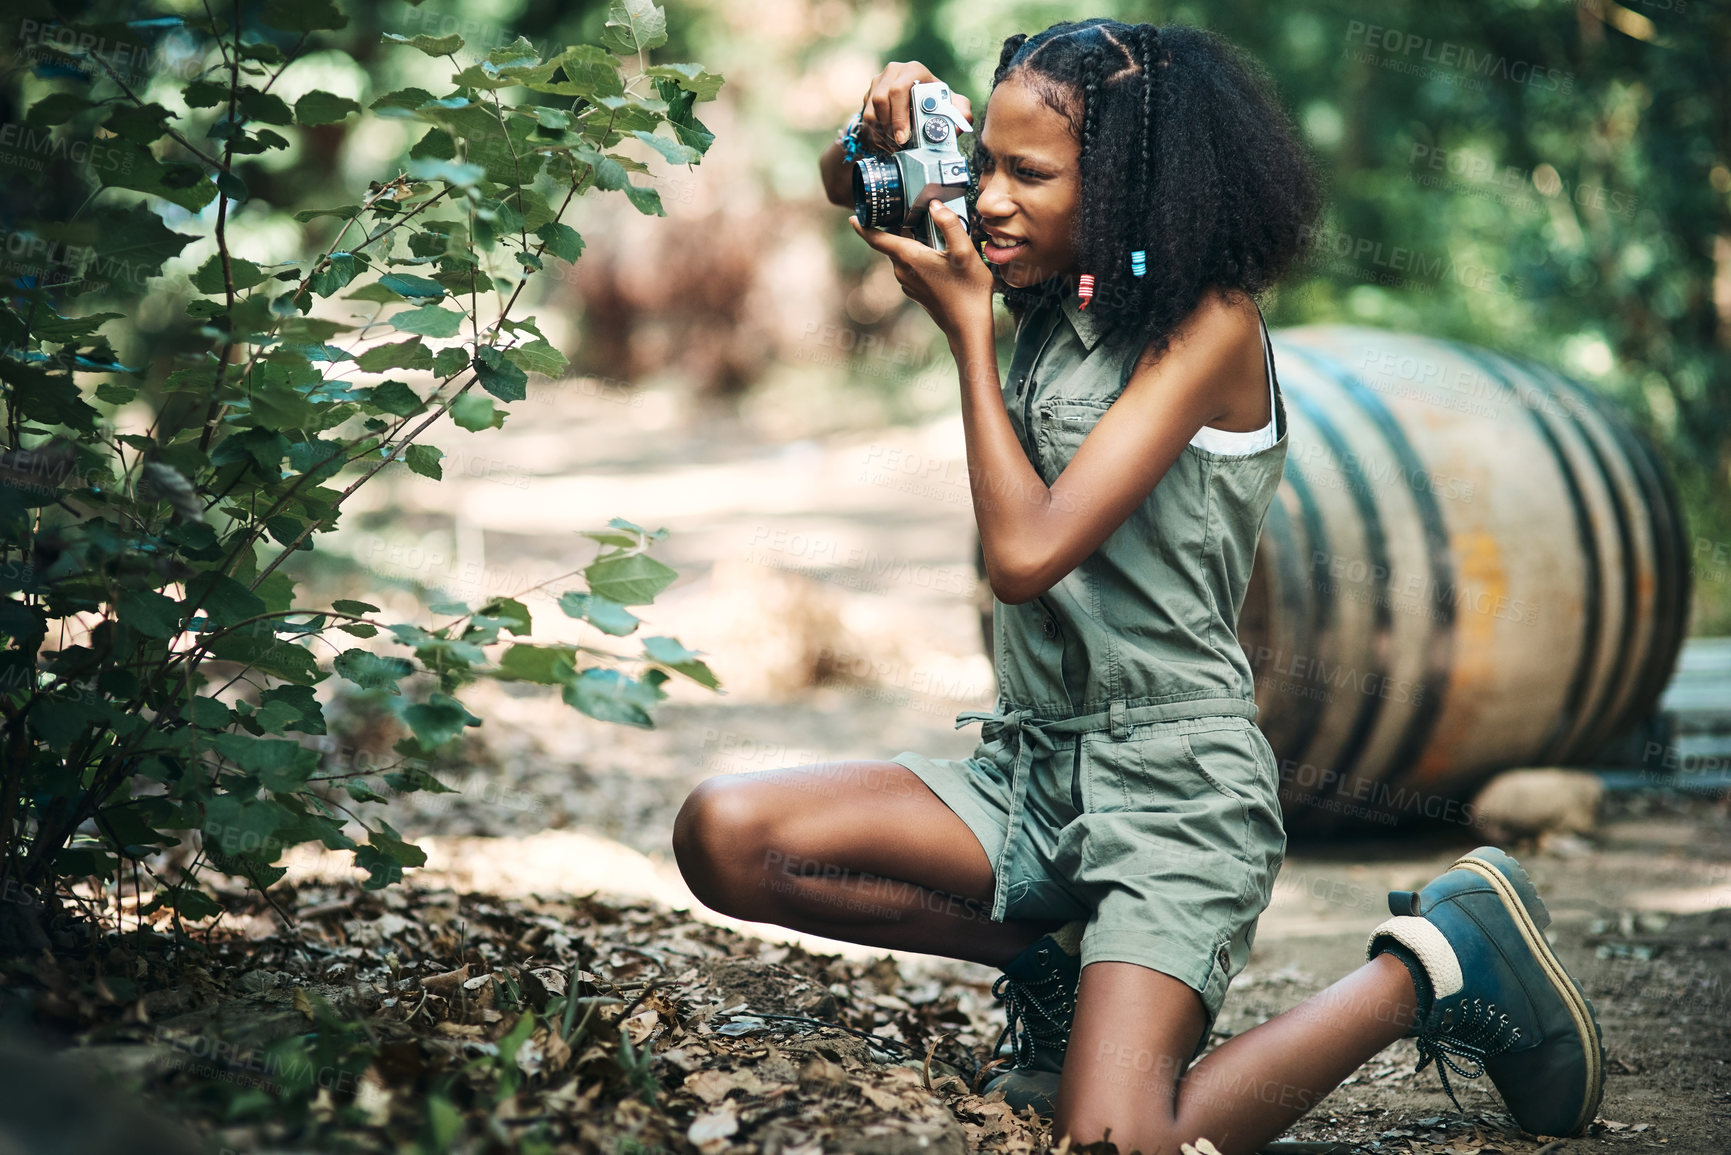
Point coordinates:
[[1520, 804]]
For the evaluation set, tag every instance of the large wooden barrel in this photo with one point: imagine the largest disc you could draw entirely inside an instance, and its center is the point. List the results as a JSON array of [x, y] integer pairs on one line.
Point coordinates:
[[1473, 562]]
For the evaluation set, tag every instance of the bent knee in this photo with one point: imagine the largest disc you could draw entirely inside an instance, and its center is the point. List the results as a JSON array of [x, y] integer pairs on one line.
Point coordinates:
[[721, 830]]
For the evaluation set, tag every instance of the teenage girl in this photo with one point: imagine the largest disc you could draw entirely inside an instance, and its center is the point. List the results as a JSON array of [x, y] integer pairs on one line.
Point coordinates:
[[1116, 833]]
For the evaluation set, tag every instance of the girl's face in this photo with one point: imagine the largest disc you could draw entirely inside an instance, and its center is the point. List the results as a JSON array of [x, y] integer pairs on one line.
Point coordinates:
[[1029, 166]]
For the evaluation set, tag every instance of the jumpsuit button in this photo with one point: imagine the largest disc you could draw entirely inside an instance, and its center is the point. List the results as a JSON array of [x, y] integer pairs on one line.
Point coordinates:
[[1050, 627]]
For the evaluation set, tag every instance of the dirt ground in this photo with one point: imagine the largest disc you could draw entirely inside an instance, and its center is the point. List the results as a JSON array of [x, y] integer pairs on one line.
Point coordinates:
[[828, 577]]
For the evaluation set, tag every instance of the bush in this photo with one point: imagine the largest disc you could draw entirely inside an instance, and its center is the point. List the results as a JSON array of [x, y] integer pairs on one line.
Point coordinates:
[[154, 562]]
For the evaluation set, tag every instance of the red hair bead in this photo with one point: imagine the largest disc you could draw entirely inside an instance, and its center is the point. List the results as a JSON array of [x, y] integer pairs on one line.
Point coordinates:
[[1085, 289]]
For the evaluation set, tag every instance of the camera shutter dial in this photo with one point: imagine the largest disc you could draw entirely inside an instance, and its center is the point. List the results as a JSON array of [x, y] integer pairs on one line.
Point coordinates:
[[937, 129]]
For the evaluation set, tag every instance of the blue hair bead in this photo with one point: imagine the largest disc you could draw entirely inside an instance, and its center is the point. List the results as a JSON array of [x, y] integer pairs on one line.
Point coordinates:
[[1139, 263]]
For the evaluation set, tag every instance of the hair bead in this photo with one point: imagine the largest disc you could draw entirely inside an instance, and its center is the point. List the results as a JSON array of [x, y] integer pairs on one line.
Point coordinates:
[[1085, 289], [1139, 263]]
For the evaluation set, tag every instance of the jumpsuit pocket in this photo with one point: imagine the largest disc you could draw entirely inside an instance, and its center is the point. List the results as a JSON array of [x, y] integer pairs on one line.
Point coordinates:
[[1076, 778], [1235, 759], [1064, 423], [1226, 759]]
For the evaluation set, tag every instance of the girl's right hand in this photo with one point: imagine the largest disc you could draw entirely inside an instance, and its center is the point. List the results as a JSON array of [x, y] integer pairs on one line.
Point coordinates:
[[888, 112]]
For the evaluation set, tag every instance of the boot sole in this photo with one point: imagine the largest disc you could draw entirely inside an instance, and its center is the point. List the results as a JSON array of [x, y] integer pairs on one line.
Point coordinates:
[[1522, 900]]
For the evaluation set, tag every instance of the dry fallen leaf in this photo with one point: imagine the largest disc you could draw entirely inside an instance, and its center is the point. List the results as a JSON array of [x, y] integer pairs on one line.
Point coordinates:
[[1200, 1147], [711, 1086], [447, 983], [640, 1026], [713, 1127]]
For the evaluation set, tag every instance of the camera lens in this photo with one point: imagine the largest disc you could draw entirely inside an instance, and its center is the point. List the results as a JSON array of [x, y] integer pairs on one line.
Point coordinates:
[[877, 193]]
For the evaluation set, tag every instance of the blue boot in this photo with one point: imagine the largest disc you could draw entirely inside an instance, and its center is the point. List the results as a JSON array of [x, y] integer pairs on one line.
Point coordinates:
[[1491, 992], [1038, 990]]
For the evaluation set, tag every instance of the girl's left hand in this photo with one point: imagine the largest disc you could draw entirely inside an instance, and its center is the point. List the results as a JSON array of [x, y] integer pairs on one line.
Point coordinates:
[[954, 286]]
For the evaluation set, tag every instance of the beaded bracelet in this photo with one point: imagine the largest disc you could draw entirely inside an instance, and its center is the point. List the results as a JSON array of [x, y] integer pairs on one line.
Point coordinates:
[[848, 138]]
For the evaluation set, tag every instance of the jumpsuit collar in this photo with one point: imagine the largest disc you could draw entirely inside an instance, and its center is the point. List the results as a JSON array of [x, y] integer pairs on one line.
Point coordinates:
[[1086, 326]]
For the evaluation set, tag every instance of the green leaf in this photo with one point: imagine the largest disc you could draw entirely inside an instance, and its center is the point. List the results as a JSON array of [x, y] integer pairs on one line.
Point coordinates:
[[411, 778], [428, 321], [204, 94], [208, 712], [507, 612], [350, 606], [265, 653], [668, 652], [361, 792], [392, 844], [591, 72], [336, 272], [150, 613], [395, 398], [343, 212], [537, 357], [517, 52], [459, 173], [304, 15], [609, 173], [264, 107], [280, 764], [297, 706], [562, 240], [410, 354], [53, 398], [450, 361], [554, 120], [424, 460], [223, 600], [545, 665], [412, 286], [208, 279], [130, 165], [56, 108], [318, 107], [607, 616], [431, 45], [646, 200], [691, 77], [436, 144], [634, 25], [686, 127], [632, 580], [438, 720], [499, 376], [474, 412], [233, 187], [404, 100], [191, 902], [610, 696], [369, 671], [675, 152], [140, 124]]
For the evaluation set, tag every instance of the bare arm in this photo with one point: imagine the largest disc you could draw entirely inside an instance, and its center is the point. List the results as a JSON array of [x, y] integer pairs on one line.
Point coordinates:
[[837, 176]]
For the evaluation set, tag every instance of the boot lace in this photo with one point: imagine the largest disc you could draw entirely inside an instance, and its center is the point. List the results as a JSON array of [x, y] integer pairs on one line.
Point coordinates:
[[1472, 1032], [1037, 1013]]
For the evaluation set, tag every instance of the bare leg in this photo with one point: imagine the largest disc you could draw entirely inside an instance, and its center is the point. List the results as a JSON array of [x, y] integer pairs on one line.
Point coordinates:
[[1136, 1027], [861, 851]]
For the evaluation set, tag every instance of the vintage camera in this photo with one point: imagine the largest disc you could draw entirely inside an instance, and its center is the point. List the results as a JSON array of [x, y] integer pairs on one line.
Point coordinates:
[[894, 191]]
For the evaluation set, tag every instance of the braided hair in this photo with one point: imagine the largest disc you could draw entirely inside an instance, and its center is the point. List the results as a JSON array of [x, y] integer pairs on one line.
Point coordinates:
[[1186, 154]]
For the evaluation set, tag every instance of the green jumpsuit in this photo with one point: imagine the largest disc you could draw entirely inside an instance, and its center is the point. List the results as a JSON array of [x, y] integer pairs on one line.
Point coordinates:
[[1122, 777]]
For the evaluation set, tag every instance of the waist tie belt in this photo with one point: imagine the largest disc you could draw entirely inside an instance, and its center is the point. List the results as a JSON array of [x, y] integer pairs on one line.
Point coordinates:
[[1032, 731]]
